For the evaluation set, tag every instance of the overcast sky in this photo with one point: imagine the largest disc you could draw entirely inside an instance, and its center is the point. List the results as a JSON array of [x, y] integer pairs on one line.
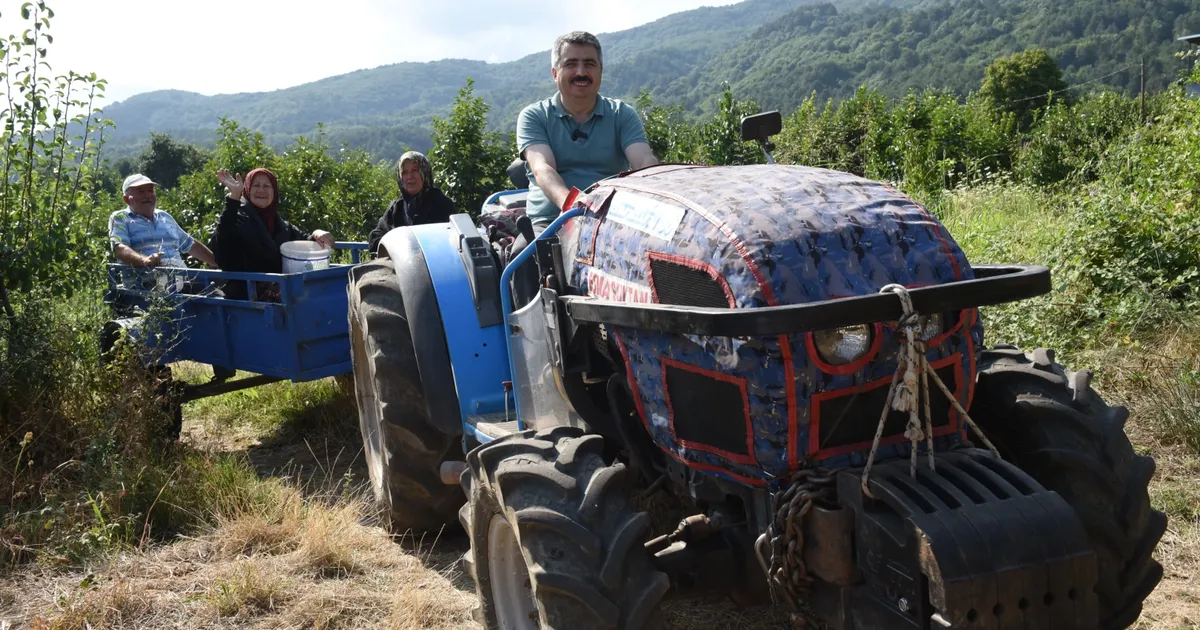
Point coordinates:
[[226, 46]]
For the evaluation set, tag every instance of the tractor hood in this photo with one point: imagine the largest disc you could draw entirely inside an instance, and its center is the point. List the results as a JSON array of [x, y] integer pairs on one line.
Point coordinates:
[[746, 237]]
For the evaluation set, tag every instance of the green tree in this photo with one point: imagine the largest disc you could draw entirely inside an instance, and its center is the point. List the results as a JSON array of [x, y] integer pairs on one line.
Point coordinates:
[[1023, 83], [51, 135], [671, 136], [165, 160], [198, 199], [469, 162], [342, 192], [719, 139], [125, 166]]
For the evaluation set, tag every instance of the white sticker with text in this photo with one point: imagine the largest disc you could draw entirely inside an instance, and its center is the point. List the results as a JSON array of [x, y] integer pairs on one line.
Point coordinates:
[[655, 218]]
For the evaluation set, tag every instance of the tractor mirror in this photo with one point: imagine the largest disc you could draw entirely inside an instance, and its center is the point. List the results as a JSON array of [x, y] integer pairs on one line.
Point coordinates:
[[762, 126]]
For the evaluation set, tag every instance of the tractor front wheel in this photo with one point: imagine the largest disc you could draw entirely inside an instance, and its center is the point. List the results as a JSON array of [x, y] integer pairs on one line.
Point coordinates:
[[1050, 423], [554, 542]]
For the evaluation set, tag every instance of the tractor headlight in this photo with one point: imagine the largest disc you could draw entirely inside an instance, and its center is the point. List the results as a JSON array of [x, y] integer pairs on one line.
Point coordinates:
[[843, 346], [931, 326]]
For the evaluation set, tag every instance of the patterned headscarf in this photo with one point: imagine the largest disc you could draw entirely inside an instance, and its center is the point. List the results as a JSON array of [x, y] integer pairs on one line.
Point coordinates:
[[268, 214], [422, 164]]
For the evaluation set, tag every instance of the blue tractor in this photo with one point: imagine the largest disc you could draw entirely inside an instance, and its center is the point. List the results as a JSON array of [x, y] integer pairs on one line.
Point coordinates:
[[797, 354]]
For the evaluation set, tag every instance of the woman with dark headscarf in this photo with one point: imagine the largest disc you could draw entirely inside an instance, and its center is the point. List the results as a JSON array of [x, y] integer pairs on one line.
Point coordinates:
[[420, 201], [250, 229]]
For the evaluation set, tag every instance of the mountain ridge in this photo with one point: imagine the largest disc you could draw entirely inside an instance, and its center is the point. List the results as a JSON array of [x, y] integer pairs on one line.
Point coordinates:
[[775, 51]]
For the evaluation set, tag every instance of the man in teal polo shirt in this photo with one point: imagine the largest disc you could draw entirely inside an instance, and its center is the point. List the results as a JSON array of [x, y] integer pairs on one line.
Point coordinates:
[[576, 137]]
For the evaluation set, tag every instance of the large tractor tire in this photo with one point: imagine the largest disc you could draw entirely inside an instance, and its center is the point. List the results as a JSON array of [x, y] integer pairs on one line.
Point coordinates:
[[554, 542], [1050, 423], [403, 451]]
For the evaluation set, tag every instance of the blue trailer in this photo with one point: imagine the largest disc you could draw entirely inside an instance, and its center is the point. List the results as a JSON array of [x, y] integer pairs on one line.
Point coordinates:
[[300, 336]]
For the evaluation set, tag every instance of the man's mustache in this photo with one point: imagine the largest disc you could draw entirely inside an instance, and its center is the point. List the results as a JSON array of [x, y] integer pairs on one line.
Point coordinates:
[[582, 79]]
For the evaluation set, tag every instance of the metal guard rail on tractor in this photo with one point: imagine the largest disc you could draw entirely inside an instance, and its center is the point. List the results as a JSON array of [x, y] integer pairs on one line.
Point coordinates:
[[993, 284]]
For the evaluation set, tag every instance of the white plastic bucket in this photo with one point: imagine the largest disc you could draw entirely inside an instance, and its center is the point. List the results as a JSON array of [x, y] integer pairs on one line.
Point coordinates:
[[301, 256]]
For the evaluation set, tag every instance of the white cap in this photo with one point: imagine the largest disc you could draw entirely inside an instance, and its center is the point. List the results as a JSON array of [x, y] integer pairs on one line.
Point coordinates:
[[137, 179]]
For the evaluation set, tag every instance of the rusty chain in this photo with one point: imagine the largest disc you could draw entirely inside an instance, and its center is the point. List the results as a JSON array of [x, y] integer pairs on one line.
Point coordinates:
[[787, 573]]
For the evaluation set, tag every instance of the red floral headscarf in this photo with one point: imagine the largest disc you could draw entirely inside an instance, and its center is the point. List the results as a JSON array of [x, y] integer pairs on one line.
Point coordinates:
[[268, 214]]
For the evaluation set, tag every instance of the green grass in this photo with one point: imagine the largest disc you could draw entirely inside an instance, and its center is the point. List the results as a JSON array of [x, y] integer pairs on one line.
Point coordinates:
[[1180, 499], [1003, 224], [322, 408], [1015, 224]]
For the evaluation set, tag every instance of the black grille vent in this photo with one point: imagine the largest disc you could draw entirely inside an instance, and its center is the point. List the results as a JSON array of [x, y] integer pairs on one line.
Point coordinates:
[[707, 411], [684, 286], [848, 420]]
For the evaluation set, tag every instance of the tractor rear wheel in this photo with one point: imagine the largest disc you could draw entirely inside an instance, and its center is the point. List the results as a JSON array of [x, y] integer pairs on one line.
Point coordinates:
[[403, 451], [1050, 423], [554, 542]]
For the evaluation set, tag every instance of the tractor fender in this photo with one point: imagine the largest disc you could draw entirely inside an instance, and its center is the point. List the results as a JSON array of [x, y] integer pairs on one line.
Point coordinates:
[[459, 343], [425, 325]]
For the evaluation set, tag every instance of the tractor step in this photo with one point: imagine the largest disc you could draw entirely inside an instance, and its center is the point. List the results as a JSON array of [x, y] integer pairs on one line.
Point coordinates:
[[495, 430]]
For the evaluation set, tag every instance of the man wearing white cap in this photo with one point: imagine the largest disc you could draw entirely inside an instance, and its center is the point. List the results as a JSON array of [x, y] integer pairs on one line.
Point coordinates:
[[144, 236]]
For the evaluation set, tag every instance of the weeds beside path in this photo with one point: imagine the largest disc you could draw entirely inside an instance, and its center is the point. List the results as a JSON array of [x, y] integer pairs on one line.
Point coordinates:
[[305, 554]]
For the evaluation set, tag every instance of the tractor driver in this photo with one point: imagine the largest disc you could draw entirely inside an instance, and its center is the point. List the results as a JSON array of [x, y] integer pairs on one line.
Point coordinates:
[[576, 137]]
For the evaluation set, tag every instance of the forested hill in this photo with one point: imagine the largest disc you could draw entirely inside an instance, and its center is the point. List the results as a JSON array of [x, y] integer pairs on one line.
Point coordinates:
[[776, 51], [944, 45], [384, 108]]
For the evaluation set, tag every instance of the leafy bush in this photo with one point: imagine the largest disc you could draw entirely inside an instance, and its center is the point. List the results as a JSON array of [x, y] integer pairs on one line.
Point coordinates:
[[671, 136], [715, 140], [469, 162], [929, 141], [345, 195], [1072, 142], [198, 200], [719, 138]]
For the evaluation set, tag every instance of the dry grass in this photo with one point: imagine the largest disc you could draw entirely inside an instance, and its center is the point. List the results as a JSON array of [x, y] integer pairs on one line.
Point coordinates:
[[1158, 382], [247, 589], [422, 605], [312, 564], [331, 542], [115, 605], [1175, 604]]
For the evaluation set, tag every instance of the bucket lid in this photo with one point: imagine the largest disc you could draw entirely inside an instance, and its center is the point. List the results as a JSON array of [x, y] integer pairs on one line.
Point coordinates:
[[308, 249]]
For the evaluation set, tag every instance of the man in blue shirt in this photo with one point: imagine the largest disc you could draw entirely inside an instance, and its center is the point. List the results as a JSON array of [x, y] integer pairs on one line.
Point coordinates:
[[576, 137], [144, 236]]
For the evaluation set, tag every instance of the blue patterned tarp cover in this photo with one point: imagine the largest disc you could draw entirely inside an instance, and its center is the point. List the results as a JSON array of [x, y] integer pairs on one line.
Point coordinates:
[[769, 235]]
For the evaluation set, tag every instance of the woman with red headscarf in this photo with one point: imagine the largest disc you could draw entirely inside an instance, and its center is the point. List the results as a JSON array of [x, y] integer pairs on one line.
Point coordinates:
[[250, 229]]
